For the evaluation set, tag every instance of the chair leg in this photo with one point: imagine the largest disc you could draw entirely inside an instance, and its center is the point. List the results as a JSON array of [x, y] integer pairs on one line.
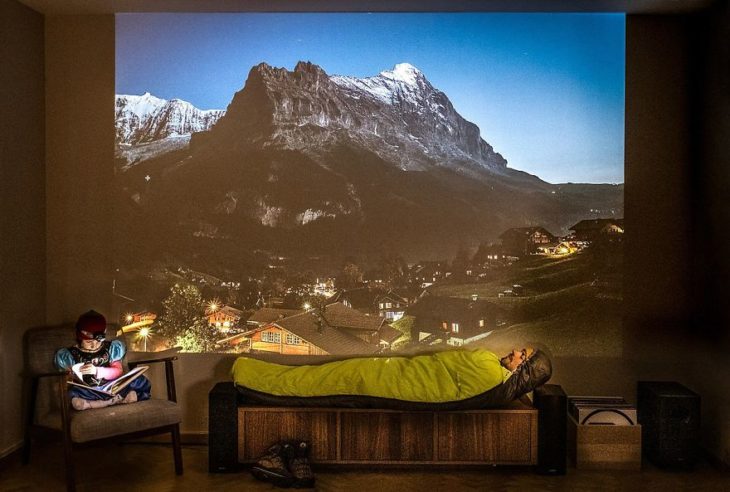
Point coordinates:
[[176, 450], [25, 456], [68, 458], [31, 388]]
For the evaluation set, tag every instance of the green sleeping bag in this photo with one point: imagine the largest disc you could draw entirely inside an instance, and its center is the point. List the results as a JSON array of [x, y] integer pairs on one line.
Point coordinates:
[[442, 377]]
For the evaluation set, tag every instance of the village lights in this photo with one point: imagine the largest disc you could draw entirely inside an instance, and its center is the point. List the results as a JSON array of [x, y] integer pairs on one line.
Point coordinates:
[[144, 333], [306, 306], [129, 318], [213, 306]]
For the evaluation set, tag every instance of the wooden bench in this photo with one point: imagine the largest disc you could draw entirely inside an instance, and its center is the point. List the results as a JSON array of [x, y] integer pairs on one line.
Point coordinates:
[[240, 433]]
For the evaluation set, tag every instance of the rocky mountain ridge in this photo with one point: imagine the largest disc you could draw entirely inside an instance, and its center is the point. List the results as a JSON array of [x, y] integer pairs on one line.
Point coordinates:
[[397, 114], [311, 164], [146, 118]]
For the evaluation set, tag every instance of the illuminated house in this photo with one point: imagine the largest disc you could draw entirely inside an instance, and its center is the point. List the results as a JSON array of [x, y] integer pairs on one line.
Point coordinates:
[[336, 330], [522, 241], [490, 255], [561, 249], [386, 304], [391, 306], [592, 229], [460, 321], [225, 318], [325, 287], [371, 329], [427, 273]]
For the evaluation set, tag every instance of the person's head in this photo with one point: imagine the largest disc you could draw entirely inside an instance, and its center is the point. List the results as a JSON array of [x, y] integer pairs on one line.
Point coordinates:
[[90, 330], [514, 359]]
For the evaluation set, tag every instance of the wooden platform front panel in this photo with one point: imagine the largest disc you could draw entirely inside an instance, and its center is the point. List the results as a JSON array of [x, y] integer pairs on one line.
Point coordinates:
[[498, 437], [260, 428], [358, 436], [386, 437]]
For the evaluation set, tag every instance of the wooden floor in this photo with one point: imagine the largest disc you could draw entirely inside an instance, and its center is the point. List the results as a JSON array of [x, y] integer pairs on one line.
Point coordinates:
[[148, 467]]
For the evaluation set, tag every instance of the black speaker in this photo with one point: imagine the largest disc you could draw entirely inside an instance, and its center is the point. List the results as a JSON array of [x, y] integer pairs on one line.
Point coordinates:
[[669, 415], [223, 428], [552, 405]]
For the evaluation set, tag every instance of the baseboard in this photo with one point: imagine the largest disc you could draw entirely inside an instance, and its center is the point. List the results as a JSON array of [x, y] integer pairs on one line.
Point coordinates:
[[200, 437], [716, 461], [8, 454], [196, 438], [10, 449]]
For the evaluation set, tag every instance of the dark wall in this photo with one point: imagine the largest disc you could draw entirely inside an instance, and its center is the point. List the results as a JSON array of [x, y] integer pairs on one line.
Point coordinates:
[[677, 182], [710, 133], [657, 167], [22, 201], [677, 174], [79, 164]]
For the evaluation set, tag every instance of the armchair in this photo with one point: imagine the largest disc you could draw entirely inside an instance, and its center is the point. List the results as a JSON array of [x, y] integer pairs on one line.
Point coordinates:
[[48, 406]]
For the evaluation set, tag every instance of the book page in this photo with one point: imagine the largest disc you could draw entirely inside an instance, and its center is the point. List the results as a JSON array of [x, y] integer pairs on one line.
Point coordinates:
[[110, 388]]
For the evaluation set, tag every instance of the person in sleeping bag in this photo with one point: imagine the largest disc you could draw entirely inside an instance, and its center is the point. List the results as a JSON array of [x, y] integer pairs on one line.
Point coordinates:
[[516, 358], [449, 378]]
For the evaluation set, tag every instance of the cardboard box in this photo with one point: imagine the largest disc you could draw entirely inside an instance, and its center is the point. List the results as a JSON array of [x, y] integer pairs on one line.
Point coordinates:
[[604, 447]]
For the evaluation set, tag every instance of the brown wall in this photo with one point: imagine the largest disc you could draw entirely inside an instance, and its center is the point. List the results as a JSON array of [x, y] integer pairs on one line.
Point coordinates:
[[79, 157], [677, 177], [657, 157], [22, 202]]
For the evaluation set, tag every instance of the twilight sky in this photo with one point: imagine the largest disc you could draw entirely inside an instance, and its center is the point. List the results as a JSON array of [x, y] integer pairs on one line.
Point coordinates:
[[546, 90]]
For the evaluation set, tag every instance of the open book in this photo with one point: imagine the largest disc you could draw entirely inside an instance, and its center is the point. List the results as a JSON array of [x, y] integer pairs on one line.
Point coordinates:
[[110, 388]]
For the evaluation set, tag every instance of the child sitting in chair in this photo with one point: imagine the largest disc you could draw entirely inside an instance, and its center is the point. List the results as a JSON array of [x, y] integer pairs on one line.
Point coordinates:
[[102, 362]]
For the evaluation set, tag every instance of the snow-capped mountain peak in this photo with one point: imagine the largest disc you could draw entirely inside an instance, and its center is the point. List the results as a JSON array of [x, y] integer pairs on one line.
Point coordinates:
[[141, 106], [389, 86], [397, 114], [403, 72], [146, 118]]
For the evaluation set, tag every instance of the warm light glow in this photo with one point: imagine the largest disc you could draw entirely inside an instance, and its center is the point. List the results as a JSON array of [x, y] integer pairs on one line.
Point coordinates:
[[306, 305], [129, 318], [213, 306], [144, 334]]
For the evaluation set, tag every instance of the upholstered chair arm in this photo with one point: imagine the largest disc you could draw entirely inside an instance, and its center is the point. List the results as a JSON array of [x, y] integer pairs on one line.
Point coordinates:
[[169, 373], [33, 381], [133, 363]]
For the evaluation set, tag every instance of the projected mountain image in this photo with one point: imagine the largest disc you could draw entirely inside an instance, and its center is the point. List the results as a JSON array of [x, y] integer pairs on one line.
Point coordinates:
[[320, 164], [306, 175], [147, 126]]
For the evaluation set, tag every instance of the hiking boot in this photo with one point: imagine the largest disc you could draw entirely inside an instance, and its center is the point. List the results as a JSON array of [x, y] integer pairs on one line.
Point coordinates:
[[273, 466], [299, 464]]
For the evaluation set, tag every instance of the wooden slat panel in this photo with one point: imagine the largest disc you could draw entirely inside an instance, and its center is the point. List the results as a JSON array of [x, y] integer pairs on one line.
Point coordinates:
[[501, 436], [466, 437], [378, 436], [533, 438], [260, 429], [514, 433]]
